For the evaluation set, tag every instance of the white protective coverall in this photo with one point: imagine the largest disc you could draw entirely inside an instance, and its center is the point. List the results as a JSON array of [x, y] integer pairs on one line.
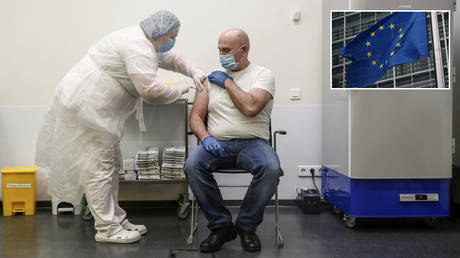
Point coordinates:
[[78, 143]]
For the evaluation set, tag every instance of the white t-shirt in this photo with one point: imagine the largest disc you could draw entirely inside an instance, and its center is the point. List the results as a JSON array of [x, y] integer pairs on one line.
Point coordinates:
[[225, 120]]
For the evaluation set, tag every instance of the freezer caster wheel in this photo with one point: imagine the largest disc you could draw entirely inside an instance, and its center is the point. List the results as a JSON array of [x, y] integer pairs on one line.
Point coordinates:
[[183, 211], [431, 222], [350, 222], [336, 210]]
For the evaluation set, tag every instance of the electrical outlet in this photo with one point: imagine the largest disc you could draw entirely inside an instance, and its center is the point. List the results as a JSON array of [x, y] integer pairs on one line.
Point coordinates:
[[304, 170]]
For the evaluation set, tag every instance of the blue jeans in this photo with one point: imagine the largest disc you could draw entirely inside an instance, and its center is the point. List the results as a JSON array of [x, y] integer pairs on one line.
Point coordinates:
[[254, 155]]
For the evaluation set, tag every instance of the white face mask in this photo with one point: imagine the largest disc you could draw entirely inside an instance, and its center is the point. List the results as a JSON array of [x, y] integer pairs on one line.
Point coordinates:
[[228, 61]]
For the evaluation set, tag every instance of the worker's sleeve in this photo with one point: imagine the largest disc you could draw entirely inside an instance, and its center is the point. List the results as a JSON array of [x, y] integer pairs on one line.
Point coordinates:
[[153, 91], [142, 66], [173, 61]]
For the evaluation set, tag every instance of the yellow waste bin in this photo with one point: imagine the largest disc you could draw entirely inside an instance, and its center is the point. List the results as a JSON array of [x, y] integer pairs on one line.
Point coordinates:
[[18, 190]]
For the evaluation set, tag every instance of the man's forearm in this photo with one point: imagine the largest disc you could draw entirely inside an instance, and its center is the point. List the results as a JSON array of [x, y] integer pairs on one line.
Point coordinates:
[[198, 127], [243, 101]]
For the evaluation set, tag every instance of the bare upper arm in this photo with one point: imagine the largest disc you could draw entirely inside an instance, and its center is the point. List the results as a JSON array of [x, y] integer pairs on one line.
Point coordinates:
[[200, 104]]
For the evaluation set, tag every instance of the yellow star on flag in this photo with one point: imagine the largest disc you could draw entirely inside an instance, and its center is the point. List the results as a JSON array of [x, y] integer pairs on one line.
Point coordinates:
[[401, 35], [381, 27], [368, 43], [381, 66], [398, 44], [369, 54], [392, 53], [372, 34], [386, 61], [373, 62], [392, 26], [400, 29]]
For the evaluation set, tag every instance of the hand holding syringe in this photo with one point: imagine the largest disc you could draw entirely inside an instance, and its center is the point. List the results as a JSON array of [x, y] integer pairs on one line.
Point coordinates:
[[184, 86]]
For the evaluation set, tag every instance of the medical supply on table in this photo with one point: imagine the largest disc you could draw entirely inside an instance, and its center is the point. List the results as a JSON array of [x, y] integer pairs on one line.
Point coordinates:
[[173, 162], [147, 164], [130, 175], [128, 164]]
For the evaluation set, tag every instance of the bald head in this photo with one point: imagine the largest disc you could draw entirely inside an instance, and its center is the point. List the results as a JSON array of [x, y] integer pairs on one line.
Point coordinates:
[[236, 35], [235, 41]]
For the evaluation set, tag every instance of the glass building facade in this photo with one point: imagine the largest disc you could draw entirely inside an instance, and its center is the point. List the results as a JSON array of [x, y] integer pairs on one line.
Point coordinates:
[[419, 74]]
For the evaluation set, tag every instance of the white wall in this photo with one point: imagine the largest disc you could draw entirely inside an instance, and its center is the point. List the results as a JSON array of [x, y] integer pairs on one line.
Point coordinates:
[[41, 40]]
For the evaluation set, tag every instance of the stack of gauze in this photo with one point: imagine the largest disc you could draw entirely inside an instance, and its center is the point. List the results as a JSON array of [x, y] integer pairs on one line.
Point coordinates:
[[147, 164], [173, 163], [129, 170]]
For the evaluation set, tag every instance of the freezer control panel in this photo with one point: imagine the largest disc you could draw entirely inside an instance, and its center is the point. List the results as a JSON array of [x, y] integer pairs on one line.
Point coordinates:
[[419, 197]]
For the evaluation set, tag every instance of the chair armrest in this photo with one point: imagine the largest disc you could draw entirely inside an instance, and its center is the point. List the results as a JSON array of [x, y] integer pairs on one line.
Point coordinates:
[[282, 132]]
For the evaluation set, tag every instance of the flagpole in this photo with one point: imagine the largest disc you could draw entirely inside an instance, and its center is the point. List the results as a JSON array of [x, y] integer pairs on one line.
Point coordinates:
[[437, 50]]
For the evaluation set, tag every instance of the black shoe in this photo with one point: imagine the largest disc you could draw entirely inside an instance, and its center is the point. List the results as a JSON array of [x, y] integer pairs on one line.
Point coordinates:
[[217, 238], [249, 240]]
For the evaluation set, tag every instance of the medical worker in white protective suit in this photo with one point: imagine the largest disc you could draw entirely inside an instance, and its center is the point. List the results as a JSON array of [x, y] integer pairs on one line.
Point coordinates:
[[79, 142]]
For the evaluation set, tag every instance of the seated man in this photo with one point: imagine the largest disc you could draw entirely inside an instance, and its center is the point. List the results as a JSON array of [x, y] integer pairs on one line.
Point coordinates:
[[238, 103]]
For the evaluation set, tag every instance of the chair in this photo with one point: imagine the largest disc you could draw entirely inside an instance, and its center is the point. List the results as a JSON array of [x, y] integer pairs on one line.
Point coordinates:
[[194, 206]]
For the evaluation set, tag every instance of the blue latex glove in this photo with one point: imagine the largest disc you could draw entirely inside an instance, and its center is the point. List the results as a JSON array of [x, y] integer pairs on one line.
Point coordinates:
[[219, 77], [211, 145]]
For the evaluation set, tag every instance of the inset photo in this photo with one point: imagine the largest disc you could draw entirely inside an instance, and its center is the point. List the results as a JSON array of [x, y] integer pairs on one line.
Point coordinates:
[[390, 50]]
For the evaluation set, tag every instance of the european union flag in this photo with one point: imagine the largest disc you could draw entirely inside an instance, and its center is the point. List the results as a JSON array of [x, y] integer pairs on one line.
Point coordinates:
[[398, 38]]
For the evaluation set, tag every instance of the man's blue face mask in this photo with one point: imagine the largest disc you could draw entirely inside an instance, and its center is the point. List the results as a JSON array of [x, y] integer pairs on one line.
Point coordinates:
[[168, 46], [228, 61]]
